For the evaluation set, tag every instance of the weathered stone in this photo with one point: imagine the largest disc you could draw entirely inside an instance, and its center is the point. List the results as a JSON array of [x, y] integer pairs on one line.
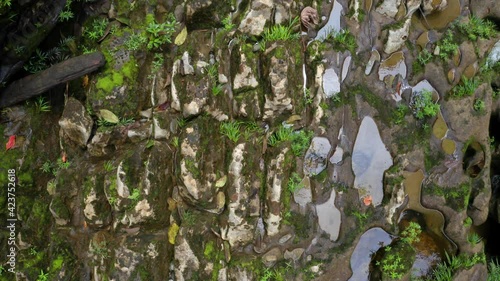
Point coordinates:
[[76, 123], [331, 83], [294, 255], [316, 156], [187, 68], [187, 264], [271, 257], [389, 8], [254, 21], [275, 176], [285, 238], [126, 262], [397, 37], [430, 6], [245, 77], [478, 272]]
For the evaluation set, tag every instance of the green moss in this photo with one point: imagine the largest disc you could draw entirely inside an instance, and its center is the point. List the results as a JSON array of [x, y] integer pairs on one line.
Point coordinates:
[[456, 197]]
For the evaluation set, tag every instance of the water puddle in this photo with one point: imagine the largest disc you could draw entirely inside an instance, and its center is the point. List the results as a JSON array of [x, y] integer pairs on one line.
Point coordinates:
[[439, 129], [370, 159], [333, 23], [448, 146], [345, 68], [331, 83], [440, 20], [369, 243], [471, 70], [457, 57], [426, 38], [452, 74], [392, 66], [329, 217], [433, 220], [425, 85]]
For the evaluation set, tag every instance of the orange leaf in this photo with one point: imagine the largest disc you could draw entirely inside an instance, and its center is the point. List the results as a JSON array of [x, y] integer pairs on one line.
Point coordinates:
[[367, 200], [10, 144], [63, 158], [85, 82]]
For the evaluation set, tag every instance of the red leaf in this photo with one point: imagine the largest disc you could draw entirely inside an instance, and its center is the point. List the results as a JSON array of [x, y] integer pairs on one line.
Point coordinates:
[[10, 144]]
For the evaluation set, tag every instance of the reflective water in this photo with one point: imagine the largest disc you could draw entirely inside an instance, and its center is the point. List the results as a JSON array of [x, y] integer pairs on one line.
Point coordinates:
[[333, 23], [329, 217]]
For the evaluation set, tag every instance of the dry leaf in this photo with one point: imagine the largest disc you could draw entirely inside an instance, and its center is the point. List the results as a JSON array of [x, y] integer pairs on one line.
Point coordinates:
[[181, 37], [109, 116], [221, 182], [10, 144]]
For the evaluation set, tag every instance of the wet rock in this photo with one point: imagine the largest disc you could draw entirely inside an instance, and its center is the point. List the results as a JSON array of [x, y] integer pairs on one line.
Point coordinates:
[[429, 6], [199, 164], [99, 145], [329, 217], [494, 55], [374, 57], [247, 104], [59, 211], [478, 272], [187, 68], [76, 123], [331, 83], [243, 198], [280, 73], [370, 159], [303, 196], [97, 209], [397, 37], [285, 238], [140, 132], [245, 77], [126, 262], [294, 254], [271, 257], [389, 8], [187, 264], [275, 176], [316, 156], [256, 18]]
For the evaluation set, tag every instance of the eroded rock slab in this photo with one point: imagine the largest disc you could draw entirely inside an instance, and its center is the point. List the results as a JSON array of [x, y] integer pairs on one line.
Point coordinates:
[[370, 159], [316, 156], [76, 123]]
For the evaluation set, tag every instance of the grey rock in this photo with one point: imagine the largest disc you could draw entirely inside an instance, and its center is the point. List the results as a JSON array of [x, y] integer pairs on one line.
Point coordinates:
[[271, 257], [285, 238], [294, 255], [186, 262], [76, 123], [316, 156], [255, 20]]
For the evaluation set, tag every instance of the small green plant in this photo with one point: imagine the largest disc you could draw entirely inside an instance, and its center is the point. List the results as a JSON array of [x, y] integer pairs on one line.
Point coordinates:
[[279, 33], [424, 57], [2, 270], [474, 239], [399, 114], [135, 195], [41, 105], [496, 94], [213, 72], [361, 217], [150, 143], [392, 264], [135, 41], [494, 271], [231, 130], [467, 87], [96, 29], [63, 165], [424, 106], [294, 183], [47, 167], [228, 24], [216, 90], [181, 122], [281, 135], [477, 28], [342, 40], [445, 270], [160, 33], [108, 166], [411, 233], [468, 222], [447, 46], [43, 276], [100, 249], [33, 251], [5, 3], [175, 142], [301, 141], [479, 105], [66, 14], [37, 62], [189, 218]]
